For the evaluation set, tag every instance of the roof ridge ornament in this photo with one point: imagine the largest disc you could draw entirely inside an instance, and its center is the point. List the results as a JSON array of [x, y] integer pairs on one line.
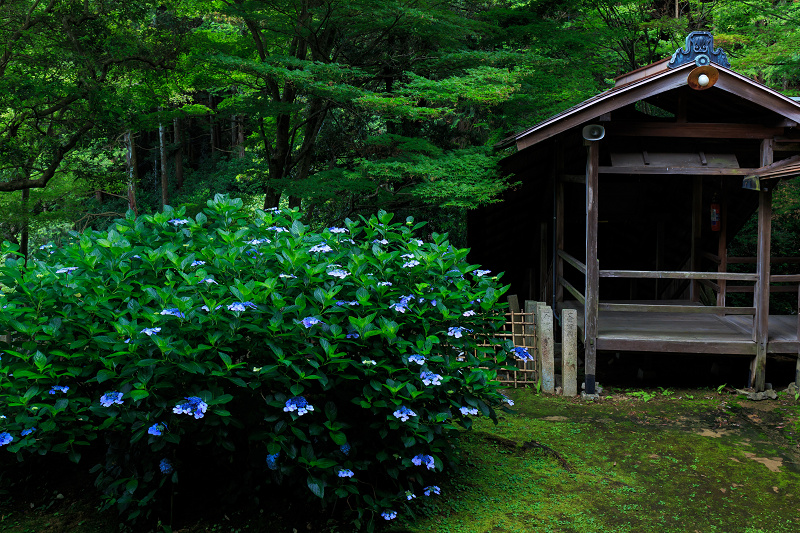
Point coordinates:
[[699, 50]]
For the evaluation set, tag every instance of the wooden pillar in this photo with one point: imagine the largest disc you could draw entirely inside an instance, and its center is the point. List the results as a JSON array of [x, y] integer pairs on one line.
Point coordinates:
[[722, 248], [591, 289], [543, 262], [761, 295], [569, 352], [558, 220], [697, 228]]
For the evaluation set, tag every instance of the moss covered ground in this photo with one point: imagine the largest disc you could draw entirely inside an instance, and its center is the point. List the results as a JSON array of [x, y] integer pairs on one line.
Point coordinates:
[[634, 461]]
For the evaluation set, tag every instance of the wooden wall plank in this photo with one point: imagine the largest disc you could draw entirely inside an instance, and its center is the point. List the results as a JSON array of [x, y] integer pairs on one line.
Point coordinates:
[[591, 291]]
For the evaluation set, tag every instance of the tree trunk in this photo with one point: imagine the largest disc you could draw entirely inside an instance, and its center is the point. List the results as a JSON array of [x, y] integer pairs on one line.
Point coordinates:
[[240, 139], [133, 174], [212, 127], [23, 241], [162, 143], [178, 154]]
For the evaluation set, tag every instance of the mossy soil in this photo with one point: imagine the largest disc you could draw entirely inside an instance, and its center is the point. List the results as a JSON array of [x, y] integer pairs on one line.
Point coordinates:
[[633, 461]]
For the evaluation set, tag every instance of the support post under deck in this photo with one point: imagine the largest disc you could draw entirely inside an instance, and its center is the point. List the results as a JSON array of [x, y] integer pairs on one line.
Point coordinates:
[[761, 295], [592, 266]]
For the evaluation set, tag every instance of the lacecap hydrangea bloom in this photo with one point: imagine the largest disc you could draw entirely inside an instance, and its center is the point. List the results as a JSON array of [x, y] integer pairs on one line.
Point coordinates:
[[345, 472], [433, 489], [481, 273], [27, 431], [522, 353], [110, 398], [241, 306], [456, 331], [334, 229], [389, 515], [272, 460], [404, 413], [299, 404], [179, 221], [345, 448], [468, 313], [429, 378], [5, 438], [426, 459], [416, 358], [157, 429], [198, 263], [173, 311], [410, 495], [67, 270], [165, 466], [59, 388], [465, 410], [151, 331], [310, 321], [322, 247], [193, 405]]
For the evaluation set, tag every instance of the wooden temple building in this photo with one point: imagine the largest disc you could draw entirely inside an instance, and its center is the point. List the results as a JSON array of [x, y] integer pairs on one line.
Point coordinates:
[[627, 203]]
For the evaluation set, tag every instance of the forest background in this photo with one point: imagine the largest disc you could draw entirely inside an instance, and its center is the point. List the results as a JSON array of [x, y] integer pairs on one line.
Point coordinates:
[[339, 107]]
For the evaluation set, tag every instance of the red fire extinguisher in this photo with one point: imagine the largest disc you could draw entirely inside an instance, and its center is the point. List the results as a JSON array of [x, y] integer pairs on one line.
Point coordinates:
[[716, 223]]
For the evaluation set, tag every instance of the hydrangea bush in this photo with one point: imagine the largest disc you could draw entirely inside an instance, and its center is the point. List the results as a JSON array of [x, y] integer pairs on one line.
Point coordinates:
[[339, 362]]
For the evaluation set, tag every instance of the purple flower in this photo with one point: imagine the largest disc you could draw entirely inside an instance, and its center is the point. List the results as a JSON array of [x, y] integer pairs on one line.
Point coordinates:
[[165, 466], [429, 378], [110, 398], [194, 405], [416, 358], [404, 413], [241, 306], [398, 308], [173, 311], [432, 489], [59, 388], [427, 459], [522, 354], [310, 321], [322, 247], [299, 404], [157, 429]]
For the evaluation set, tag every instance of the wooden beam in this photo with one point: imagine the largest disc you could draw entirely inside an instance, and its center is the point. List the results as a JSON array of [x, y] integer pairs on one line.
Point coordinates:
[[592, 265], [683, 171], [763, 96], [572, 261], [772, 260], [558, 222], [722, 249], [761, 295], [695, 309], [711, 285], [573, 178], [711, 257], [677, 274], [693, 130], [677, 346], [572, 290], [748, 289], [784, 278], [697, 232], [543, 262]]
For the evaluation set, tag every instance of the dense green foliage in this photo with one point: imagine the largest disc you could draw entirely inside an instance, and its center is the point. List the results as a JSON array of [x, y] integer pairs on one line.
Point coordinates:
[[337, 362]]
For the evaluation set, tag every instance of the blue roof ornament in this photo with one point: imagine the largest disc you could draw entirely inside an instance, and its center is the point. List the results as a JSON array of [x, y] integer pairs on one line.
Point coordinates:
[[700, 51]]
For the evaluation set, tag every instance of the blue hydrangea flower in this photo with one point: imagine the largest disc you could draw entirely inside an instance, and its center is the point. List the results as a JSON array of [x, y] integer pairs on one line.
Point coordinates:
[[45, 246], [481, 273], [352, 335], [198, 263], [342, 303], [5, 438], [522, 354], [241, 306], [468, 313], [292, 276], [272, 461], [310, 321], [466, 410], [411, 264], [278, 229], [299, 404], [59, 388], [157, 429], [345, 472], [384, 284], [205, 308], [321, 247], [66, 270], [410, 495], [508, 400], [369, 362], [165, 466], [398, 308], [416, 241], [416, 358], [208, 281], [389, 515], [422, 458], [27, 431], [151, 331], [381, 241], [193, 405], [429, 378], [334, 229], [110, 398], [456, 331], [407, 256], [345, 448], [339, 273], [172, 311], [179, 221], [253, 252], [433, 489], [404, 413]]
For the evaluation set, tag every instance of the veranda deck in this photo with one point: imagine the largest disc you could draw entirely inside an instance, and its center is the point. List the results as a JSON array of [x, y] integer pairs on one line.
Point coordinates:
[[686, 332]]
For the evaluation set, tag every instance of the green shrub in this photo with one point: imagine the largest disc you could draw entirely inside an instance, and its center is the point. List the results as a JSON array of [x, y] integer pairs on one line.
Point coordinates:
[[339, 362]]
